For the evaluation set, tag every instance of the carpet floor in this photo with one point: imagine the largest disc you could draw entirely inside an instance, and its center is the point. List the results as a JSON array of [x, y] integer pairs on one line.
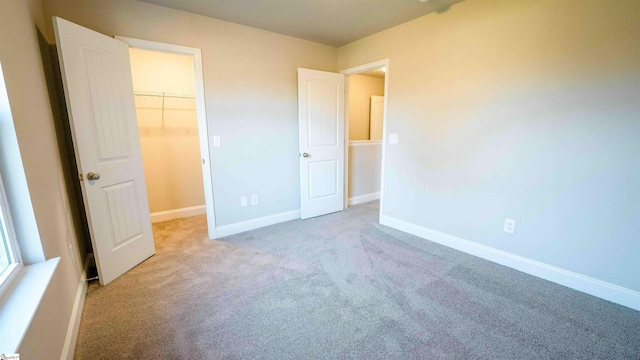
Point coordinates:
[[339, 286]]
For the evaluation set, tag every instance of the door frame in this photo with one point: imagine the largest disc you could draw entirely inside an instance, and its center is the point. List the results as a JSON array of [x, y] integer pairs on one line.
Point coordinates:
[[203, 132], [355, 71]]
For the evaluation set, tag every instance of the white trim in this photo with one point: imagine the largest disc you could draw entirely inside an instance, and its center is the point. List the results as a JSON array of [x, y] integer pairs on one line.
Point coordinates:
[[364, 198], [367, 67], [177, 213], [365, 142], [19, 305], [10, 240], [74, 322], [353, 71], [203, 127], [611, 292], [252, 224]]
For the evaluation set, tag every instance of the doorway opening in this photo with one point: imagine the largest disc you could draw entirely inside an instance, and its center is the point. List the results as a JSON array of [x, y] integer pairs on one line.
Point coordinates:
[[169, 98], [366, 93]]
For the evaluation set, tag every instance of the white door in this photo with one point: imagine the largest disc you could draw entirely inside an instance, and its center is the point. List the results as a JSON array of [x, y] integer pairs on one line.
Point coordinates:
[[321, 117], [99, 93], [376, 116]]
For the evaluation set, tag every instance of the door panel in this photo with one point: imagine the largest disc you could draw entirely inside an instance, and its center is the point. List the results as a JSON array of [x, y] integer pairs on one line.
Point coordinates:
[[108, 119], [99, 94], [319, 172], [123, 211], [321, 118]]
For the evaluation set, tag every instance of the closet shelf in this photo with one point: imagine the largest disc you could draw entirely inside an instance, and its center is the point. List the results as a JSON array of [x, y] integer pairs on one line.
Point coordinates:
[[163, 94], [164, 101]]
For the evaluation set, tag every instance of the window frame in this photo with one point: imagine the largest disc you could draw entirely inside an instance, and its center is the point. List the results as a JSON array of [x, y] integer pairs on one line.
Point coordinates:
[[13, 249]]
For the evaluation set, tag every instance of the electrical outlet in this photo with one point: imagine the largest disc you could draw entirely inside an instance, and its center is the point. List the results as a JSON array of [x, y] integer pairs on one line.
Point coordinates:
[[393, 138], [509, 226], [254, 199], [243, 201]]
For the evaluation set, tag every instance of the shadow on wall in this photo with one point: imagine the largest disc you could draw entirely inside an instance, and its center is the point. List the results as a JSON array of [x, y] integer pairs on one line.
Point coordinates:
[[65, 144]]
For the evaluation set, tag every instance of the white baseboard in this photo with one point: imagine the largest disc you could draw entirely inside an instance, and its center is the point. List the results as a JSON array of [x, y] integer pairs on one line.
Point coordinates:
[[177, 213], [364, 198], [611, 292], [236, 228], [74, 323]]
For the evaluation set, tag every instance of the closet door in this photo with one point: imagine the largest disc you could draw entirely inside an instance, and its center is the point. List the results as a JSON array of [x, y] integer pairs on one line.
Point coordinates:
[[99, 93]]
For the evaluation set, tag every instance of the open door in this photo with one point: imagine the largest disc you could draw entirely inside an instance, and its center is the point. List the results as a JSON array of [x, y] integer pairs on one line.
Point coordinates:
[[99, 94], [321, 117]]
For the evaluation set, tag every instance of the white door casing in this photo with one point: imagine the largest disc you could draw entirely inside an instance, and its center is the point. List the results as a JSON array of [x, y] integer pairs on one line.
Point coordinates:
[[357, 70], [321, 121], [196, 55], [99, 94]]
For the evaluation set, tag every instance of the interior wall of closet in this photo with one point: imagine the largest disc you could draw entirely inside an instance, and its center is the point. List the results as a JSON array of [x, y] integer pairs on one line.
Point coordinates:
[[164, 88]]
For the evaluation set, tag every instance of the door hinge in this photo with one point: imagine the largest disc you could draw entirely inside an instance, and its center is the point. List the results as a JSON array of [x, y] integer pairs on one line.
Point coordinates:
[[80, 177]]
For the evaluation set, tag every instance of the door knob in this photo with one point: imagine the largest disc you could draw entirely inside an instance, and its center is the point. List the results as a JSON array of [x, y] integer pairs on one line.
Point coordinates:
[[305, 155], [93, 176]]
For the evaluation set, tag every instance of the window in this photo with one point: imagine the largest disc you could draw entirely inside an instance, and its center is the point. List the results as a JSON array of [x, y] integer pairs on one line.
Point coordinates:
[[22, 287], [9, 253], [9, 256]]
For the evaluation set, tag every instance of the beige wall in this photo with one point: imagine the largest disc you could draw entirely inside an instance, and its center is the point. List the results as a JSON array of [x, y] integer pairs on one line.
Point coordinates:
[[27, 90], [251, 95], [169, 141], [518, 109], [361, 87], [365, 161]]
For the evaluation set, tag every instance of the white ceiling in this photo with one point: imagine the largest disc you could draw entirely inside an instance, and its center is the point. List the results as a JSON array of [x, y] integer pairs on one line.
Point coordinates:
[[331, 22]]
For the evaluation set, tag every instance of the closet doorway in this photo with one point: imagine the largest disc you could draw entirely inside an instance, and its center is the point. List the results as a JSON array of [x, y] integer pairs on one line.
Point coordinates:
[[169, 97]]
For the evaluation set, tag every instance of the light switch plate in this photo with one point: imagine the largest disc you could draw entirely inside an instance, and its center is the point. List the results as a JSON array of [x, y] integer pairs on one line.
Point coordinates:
[[393, 138], [254, 199], [216, 141], [243, 201]]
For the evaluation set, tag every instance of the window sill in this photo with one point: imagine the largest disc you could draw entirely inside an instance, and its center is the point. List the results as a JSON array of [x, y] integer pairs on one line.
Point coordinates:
[[20, 302]]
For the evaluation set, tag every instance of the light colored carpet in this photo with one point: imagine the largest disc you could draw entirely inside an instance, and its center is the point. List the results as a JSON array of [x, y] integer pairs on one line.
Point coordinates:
[[339, 286]]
